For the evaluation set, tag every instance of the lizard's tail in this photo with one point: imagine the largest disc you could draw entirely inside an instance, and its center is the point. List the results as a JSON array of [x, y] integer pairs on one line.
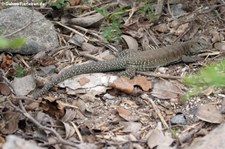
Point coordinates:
[[102, 66]]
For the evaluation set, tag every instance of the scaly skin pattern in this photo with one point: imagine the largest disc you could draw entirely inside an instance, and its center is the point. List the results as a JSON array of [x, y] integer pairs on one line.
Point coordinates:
[[130, 62]]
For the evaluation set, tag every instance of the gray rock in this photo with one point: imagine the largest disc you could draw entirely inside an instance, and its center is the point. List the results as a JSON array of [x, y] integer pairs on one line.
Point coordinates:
[[40, 35], [178, 119], [214, 140]]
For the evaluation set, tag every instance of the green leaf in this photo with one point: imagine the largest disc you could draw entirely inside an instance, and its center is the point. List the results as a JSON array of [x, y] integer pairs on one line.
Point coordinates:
[[4, 43], [17, 43], [19, 71], [11, 43]]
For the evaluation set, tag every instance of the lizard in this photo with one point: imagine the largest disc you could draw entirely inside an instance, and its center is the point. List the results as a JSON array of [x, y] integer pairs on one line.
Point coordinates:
[[132, 61]]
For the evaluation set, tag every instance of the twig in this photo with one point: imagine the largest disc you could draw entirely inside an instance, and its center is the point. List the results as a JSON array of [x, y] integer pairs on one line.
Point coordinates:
[[189, 132], [145, 97], [60, 140], [169, 10], [159, 8], [159, 75], [23, 61], [73, 30], [52, 52], [77, 131], [133, 10], [91, 56], [103, 42]]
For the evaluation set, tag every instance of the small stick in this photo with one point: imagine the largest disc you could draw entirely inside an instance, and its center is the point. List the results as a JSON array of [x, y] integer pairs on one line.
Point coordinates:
[[159, 75], [145, 97]]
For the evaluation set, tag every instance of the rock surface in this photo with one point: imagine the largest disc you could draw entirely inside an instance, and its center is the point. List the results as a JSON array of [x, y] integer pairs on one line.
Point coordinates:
[[214, 140], [40, 34]]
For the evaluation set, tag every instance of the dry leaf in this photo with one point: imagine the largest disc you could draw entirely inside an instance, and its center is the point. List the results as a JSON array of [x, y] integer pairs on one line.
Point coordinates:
[[123, 111], [145, 42], [159, 140], [127, 85], [72, 114], [23, 86], [83, 81], [215, 36], [209, 113], [9, 122], [131, 127], [126, 114], [46, 60], [2, 141], [163, 28], [6, 61], [163, 89], [4, 89], [181, 29], [88, 21], [142, 82], [214, 140], [74, 2], [52, 108], [69, 130], [124, 84], [89, 48], [130, 42], [220, 46]]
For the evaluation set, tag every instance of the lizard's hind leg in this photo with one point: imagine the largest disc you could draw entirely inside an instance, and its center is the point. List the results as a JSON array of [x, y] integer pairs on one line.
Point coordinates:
[[129, 71]]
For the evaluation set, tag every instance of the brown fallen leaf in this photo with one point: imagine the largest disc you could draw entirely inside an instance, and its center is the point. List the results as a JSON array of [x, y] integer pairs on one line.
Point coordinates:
[[22, 86], [163, 28], [46, 60], [87, 21], [181, 29], [126, 114], [4, 89], [163, 89], [6, 61], [133, 127], [53, 108], [9, 122], [2, 141], [220, 46], [124, 84], [142, 82], [159, 140], [127, 85], [130, 42], [74, 2], [83, 81], [216, 37], [209, 113]]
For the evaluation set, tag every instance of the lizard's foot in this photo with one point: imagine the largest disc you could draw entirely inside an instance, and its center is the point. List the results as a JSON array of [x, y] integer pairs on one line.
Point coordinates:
[[126, 74], [129, 72]]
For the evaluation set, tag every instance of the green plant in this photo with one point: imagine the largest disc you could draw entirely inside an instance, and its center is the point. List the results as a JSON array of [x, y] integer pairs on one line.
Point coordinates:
[[148, 10], [212, 75], [111, 30], [19, 71], [59, 4], [11, 43]]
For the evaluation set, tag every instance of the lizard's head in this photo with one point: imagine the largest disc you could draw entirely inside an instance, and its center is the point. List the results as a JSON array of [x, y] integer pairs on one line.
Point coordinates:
[[198, 45]]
